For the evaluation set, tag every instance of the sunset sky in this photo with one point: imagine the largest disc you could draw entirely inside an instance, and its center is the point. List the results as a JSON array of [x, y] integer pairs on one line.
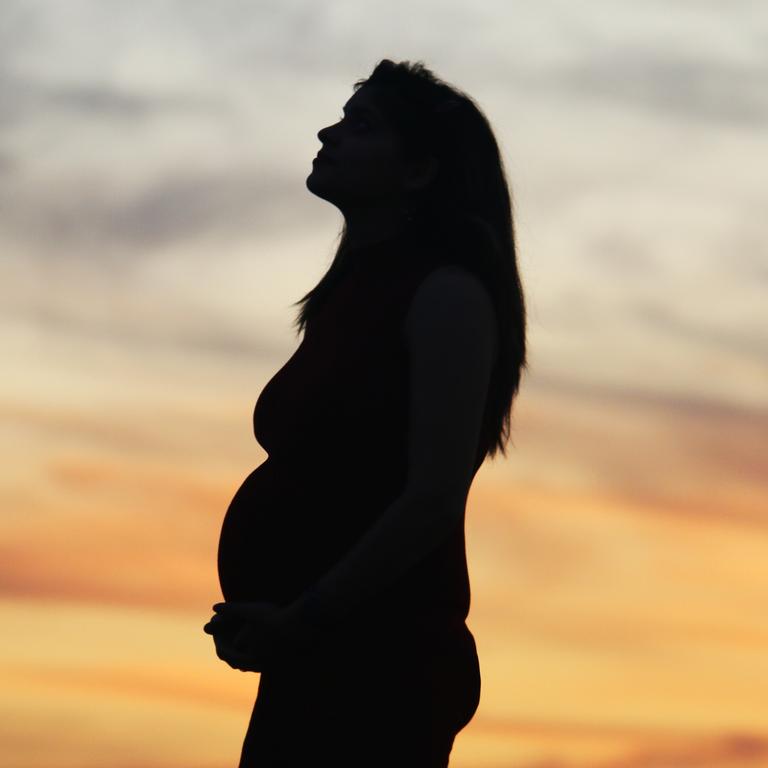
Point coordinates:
[[155, 230]]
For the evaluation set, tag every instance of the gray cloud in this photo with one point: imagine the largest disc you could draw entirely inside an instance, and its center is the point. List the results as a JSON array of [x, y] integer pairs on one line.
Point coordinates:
[[693, 404], [752, 343], [202, 332], [680, 86], [108, 100], [8, 164], [621, 253], [23, 99], [86, 216]]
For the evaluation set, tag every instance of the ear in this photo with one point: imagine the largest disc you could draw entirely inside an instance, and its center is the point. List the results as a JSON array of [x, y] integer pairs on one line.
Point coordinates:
[[421, 172]]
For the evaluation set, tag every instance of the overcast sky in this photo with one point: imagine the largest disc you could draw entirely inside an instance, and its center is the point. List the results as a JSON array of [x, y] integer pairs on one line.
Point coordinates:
[[155, 229], [154, 155]]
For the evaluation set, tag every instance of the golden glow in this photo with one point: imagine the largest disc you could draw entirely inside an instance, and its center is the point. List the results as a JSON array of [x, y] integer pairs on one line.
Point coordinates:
[[154, 237]]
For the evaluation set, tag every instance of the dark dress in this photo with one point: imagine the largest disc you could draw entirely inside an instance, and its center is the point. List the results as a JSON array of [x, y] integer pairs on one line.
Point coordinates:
[[395, 682]]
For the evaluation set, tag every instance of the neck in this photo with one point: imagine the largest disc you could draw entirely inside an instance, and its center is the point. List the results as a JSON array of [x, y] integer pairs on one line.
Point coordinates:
[[374, 225]]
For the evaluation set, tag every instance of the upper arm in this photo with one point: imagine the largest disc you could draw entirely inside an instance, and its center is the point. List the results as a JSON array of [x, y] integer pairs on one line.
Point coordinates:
[[451, 337]]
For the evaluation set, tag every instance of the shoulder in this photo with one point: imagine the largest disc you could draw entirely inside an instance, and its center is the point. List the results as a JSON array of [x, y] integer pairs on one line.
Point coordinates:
[[449, 295]]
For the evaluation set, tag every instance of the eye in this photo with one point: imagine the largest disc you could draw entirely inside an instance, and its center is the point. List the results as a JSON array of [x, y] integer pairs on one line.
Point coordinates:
[[356, 121]]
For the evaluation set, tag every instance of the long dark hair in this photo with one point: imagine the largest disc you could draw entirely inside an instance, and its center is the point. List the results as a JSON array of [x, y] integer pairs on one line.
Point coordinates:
[[468, 205]]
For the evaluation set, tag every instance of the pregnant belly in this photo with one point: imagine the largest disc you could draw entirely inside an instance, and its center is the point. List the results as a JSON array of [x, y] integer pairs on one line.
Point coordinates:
[[282, 531], [248, 558]]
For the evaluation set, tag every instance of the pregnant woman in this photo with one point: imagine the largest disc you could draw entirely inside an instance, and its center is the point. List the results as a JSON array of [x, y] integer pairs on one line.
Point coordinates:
[[342, 556]]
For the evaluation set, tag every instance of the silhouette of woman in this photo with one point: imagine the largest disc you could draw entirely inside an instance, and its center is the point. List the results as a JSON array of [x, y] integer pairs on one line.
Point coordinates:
[[342, 556]]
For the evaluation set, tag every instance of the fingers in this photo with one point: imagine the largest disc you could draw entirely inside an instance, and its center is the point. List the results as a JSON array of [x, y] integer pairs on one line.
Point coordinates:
[[236, 659], [212, 626], [246, 637], [242, 633], [249, 626], [239, 646], [221, 623], [249, 611]]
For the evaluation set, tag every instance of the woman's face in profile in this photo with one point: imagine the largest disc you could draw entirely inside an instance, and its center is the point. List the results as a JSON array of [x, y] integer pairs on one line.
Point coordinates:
[[360, 162]]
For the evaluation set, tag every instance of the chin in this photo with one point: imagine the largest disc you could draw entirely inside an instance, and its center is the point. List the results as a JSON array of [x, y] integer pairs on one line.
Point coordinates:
[[311, 183], [316, 187]]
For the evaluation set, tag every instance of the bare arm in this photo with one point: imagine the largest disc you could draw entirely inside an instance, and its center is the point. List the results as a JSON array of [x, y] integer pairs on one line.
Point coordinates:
[[451, 333]]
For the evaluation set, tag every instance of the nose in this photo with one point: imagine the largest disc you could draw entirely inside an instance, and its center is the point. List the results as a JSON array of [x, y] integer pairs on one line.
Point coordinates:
[[326, 134]]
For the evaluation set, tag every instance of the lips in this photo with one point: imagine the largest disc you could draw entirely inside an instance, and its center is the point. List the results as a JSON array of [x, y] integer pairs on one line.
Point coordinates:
[[323, 157]]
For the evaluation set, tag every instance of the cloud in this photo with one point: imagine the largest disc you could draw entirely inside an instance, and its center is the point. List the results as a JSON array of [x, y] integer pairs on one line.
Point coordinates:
[[23, 99], [751, 342], [691, 87], [622, 252], [8, 164], [85, 214], [645, 746], [134, 332]]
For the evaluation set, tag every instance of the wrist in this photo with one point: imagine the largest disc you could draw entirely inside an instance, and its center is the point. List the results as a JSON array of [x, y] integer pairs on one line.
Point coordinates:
[[311, 611]]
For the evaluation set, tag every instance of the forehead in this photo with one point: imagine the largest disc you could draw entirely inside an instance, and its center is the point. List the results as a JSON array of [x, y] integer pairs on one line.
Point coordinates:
[[362, 100]]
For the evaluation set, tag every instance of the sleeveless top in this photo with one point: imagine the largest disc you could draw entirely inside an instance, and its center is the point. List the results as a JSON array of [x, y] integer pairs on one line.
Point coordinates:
[[334, 423]]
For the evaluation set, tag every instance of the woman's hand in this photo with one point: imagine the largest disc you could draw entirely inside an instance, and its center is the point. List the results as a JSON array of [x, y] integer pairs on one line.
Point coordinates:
[[223, 629], [247, 634]]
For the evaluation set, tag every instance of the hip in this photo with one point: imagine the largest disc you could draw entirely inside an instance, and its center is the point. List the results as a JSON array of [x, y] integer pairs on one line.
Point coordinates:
[[437, 681]]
